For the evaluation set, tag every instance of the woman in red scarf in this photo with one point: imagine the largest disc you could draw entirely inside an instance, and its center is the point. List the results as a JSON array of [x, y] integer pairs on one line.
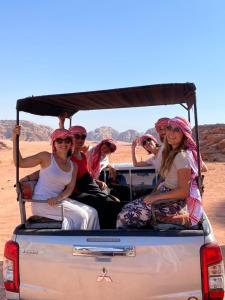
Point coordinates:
[[97, 158], [87, 190]]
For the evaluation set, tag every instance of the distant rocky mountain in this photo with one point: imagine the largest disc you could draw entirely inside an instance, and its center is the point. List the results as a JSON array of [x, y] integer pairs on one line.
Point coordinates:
[[30, 131], [212, 142], [128, 135], [153, 132], [102, 133], [212, 137]]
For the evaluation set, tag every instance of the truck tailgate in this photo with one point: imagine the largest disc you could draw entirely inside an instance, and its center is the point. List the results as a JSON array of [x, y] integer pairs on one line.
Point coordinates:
[[109, 267]]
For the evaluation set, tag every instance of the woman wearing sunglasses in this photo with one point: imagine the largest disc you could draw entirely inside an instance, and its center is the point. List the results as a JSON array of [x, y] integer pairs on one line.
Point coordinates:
[[150, 144], [87, 190], [57, 178], [179, 190]]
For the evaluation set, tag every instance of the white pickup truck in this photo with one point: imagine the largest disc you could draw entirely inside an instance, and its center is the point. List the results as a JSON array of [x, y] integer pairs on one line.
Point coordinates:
[[163, 261]]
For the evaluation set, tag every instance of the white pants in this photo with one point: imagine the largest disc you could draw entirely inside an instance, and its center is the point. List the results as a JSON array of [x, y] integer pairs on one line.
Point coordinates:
[[76, 215]]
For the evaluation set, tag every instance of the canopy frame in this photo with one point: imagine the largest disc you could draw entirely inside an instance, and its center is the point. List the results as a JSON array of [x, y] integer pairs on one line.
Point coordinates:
[[31, 103]]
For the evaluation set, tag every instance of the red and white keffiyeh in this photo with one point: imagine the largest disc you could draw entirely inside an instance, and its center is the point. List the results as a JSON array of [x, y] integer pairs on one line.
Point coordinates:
[[59, 133], [94, 156], [77, 129], [185, 127], [162, 122], [146, 137]]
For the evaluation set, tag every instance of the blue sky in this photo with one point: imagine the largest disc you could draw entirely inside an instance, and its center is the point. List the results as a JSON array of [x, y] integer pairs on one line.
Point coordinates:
[[52, 46]]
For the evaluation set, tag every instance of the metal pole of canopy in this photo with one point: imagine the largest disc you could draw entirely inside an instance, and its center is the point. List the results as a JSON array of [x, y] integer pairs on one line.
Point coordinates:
[[198, 146], [19, 198], [188, 109], [17, 151], [70, 121], [189, 115]]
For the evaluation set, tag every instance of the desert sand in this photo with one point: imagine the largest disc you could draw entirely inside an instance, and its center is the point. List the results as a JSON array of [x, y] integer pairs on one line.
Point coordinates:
[[213, 198]]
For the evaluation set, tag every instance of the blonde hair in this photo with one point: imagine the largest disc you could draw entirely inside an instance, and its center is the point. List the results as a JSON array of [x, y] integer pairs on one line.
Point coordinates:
[[169, 154]]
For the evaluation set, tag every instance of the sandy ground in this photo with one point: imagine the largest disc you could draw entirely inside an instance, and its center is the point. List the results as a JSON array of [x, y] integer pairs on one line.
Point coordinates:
[[214, 195]]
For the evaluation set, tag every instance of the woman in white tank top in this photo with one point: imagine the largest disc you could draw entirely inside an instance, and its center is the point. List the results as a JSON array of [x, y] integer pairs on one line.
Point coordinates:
[[56, 182]]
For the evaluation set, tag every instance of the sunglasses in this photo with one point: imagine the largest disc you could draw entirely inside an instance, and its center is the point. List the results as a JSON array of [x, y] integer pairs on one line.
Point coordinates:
[[66, 141], [78, 136], [146, 141], [174, 129]]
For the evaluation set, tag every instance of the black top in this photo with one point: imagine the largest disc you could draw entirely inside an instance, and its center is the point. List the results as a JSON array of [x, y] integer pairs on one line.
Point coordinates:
[[148, 95]]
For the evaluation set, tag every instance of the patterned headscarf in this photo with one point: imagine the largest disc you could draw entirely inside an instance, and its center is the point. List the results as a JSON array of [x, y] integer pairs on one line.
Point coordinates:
[[162, 122], [185, 127], [77, 129], [94, 156], [60, 133]]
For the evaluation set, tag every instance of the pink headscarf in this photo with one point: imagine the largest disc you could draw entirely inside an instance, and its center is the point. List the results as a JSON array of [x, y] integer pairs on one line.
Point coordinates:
[[59, 133], [162, 122], [147, 136], [94, 157], [77, 129], [185, 127]]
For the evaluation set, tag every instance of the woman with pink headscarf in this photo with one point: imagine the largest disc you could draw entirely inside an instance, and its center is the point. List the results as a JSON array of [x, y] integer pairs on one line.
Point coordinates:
[[87, 189], [97, 157], [57, 178], [150, 144], [160, 127], [179, 190]]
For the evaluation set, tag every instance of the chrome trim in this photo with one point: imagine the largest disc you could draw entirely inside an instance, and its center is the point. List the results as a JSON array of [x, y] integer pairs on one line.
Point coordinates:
[[103, 251]]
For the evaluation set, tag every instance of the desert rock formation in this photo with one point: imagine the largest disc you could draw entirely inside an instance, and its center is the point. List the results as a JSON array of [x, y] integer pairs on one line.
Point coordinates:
[[212, 142], [30, 131], [212, 137]]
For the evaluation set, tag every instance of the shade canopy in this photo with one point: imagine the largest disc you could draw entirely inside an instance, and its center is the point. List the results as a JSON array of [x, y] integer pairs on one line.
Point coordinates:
[[139, 96]]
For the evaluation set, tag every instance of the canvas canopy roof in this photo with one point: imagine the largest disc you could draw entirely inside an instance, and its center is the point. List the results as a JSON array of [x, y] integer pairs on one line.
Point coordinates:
[[148, 95]]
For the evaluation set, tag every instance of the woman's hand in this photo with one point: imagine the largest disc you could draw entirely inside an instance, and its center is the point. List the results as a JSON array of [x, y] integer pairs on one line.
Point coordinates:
[[53, 201], [62, 119], [135, 143], [102, 185], [150, 199]]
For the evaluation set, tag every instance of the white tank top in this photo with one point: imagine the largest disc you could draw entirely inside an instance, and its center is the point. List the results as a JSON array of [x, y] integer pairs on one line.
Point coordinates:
[[52, 181]]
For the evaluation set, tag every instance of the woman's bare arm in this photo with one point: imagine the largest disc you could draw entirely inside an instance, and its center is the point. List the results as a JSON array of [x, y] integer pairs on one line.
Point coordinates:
[[136, 163], [41, 158], [62, 119], [181, 192]]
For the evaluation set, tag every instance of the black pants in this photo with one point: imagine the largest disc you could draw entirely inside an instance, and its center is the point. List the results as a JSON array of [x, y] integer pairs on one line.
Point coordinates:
[[90, 194]]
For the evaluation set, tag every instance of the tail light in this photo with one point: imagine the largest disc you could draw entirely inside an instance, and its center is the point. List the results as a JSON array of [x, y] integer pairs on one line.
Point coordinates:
[[11, 267], [212, 272]]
